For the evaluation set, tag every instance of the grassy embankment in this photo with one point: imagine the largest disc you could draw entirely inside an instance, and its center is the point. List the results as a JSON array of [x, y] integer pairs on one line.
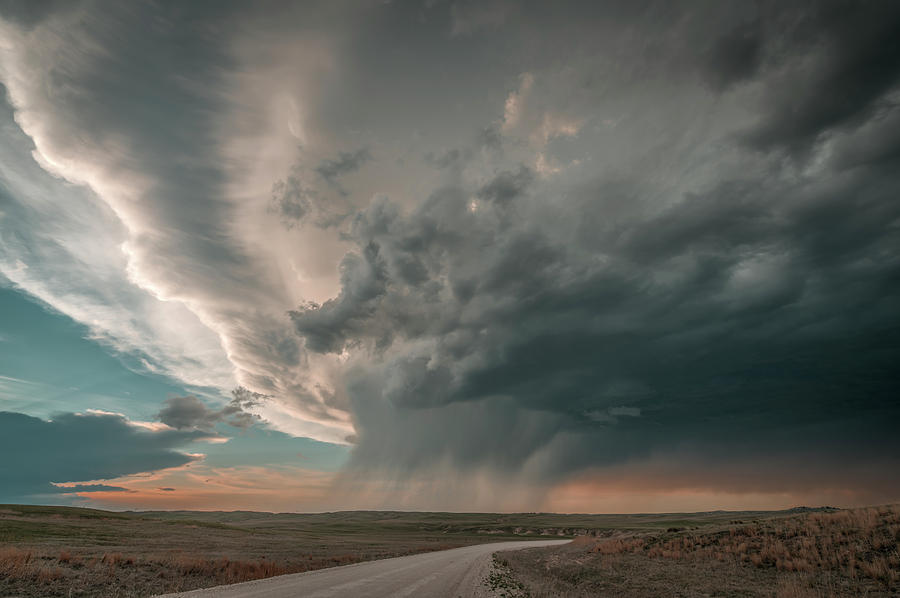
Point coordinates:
[[62, 551], [818, 554]]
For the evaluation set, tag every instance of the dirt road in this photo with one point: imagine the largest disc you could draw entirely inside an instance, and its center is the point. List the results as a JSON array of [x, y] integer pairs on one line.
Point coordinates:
[[448, 573]]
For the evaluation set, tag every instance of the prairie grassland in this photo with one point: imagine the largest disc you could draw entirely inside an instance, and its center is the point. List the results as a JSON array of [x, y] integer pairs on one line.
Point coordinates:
[[58, 551], [73, 552], [822, 554]]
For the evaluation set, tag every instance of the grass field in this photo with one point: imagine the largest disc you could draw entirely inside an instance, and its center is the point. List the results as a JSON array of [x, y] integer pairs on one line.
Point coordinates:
[[817, 554], [64, 551]]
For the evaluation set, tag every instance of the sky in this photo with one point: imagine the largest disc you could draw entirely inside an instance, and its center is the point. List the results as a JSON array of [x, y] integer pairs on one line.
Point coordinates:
[[449, 255]]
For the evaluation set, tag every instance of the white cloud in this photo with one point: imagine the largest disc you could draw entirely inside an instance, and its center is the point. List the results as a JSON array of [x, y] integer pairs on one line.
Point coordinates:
[[111, 247]]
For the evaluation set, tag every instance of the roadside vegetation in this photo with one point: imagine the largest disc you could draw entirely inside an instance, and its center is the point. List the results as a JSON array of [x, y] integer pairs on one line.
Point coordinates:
[[26, 572], [817, 554]]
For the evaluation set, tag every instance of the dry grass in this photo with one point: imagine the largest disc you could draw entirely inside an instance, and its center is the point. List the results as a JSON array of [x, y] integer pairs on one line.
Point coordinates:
[[851, 552], [67, 554], [854, 543], [114, 573], [14, 561], [18, 564]]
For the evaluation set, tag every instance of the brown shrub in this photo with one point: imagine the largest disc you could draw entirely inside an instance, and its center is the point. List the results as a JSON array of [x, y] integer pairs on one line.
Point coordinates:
[[619, 545], [226, 570], [14, 561], [48, 574], [111, 558], [793, 587]]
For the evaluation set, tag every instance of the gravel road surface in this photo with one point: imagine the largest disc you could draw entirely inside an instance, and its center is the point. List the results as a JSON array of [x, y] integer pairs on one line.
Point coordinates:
[[456, 573]]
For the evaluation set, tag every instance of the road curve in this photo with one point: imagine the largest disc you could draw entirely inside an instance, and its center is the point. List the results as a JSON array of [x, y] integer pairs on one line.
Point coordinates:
[[444, 574]]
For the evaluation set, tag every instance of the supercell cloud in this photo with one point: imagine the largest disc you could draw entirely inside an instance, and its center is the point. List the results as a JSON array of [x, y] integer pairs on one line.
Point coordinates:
[[636, 245]]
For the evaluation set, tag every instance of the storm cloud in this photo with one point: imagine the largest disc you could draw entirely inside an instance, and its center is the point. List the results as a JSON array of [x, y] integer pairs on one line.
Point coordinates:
[[552, 327], [596, 235], [752, 310]]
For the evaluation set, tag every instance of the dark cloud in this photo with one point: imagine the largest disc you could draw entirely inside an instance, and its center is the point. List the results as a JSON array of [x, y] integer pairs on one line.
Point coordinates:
[[832, 65], [490, 138], [470, 17], [292, 200], [187, 413], [735, 56], [452, 158], [73, 448], [92, 488], [190, 413], [296, 202], [345, 163], [596, 325], [507, 185], [327, 327], [29, 13], [166, 489]]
